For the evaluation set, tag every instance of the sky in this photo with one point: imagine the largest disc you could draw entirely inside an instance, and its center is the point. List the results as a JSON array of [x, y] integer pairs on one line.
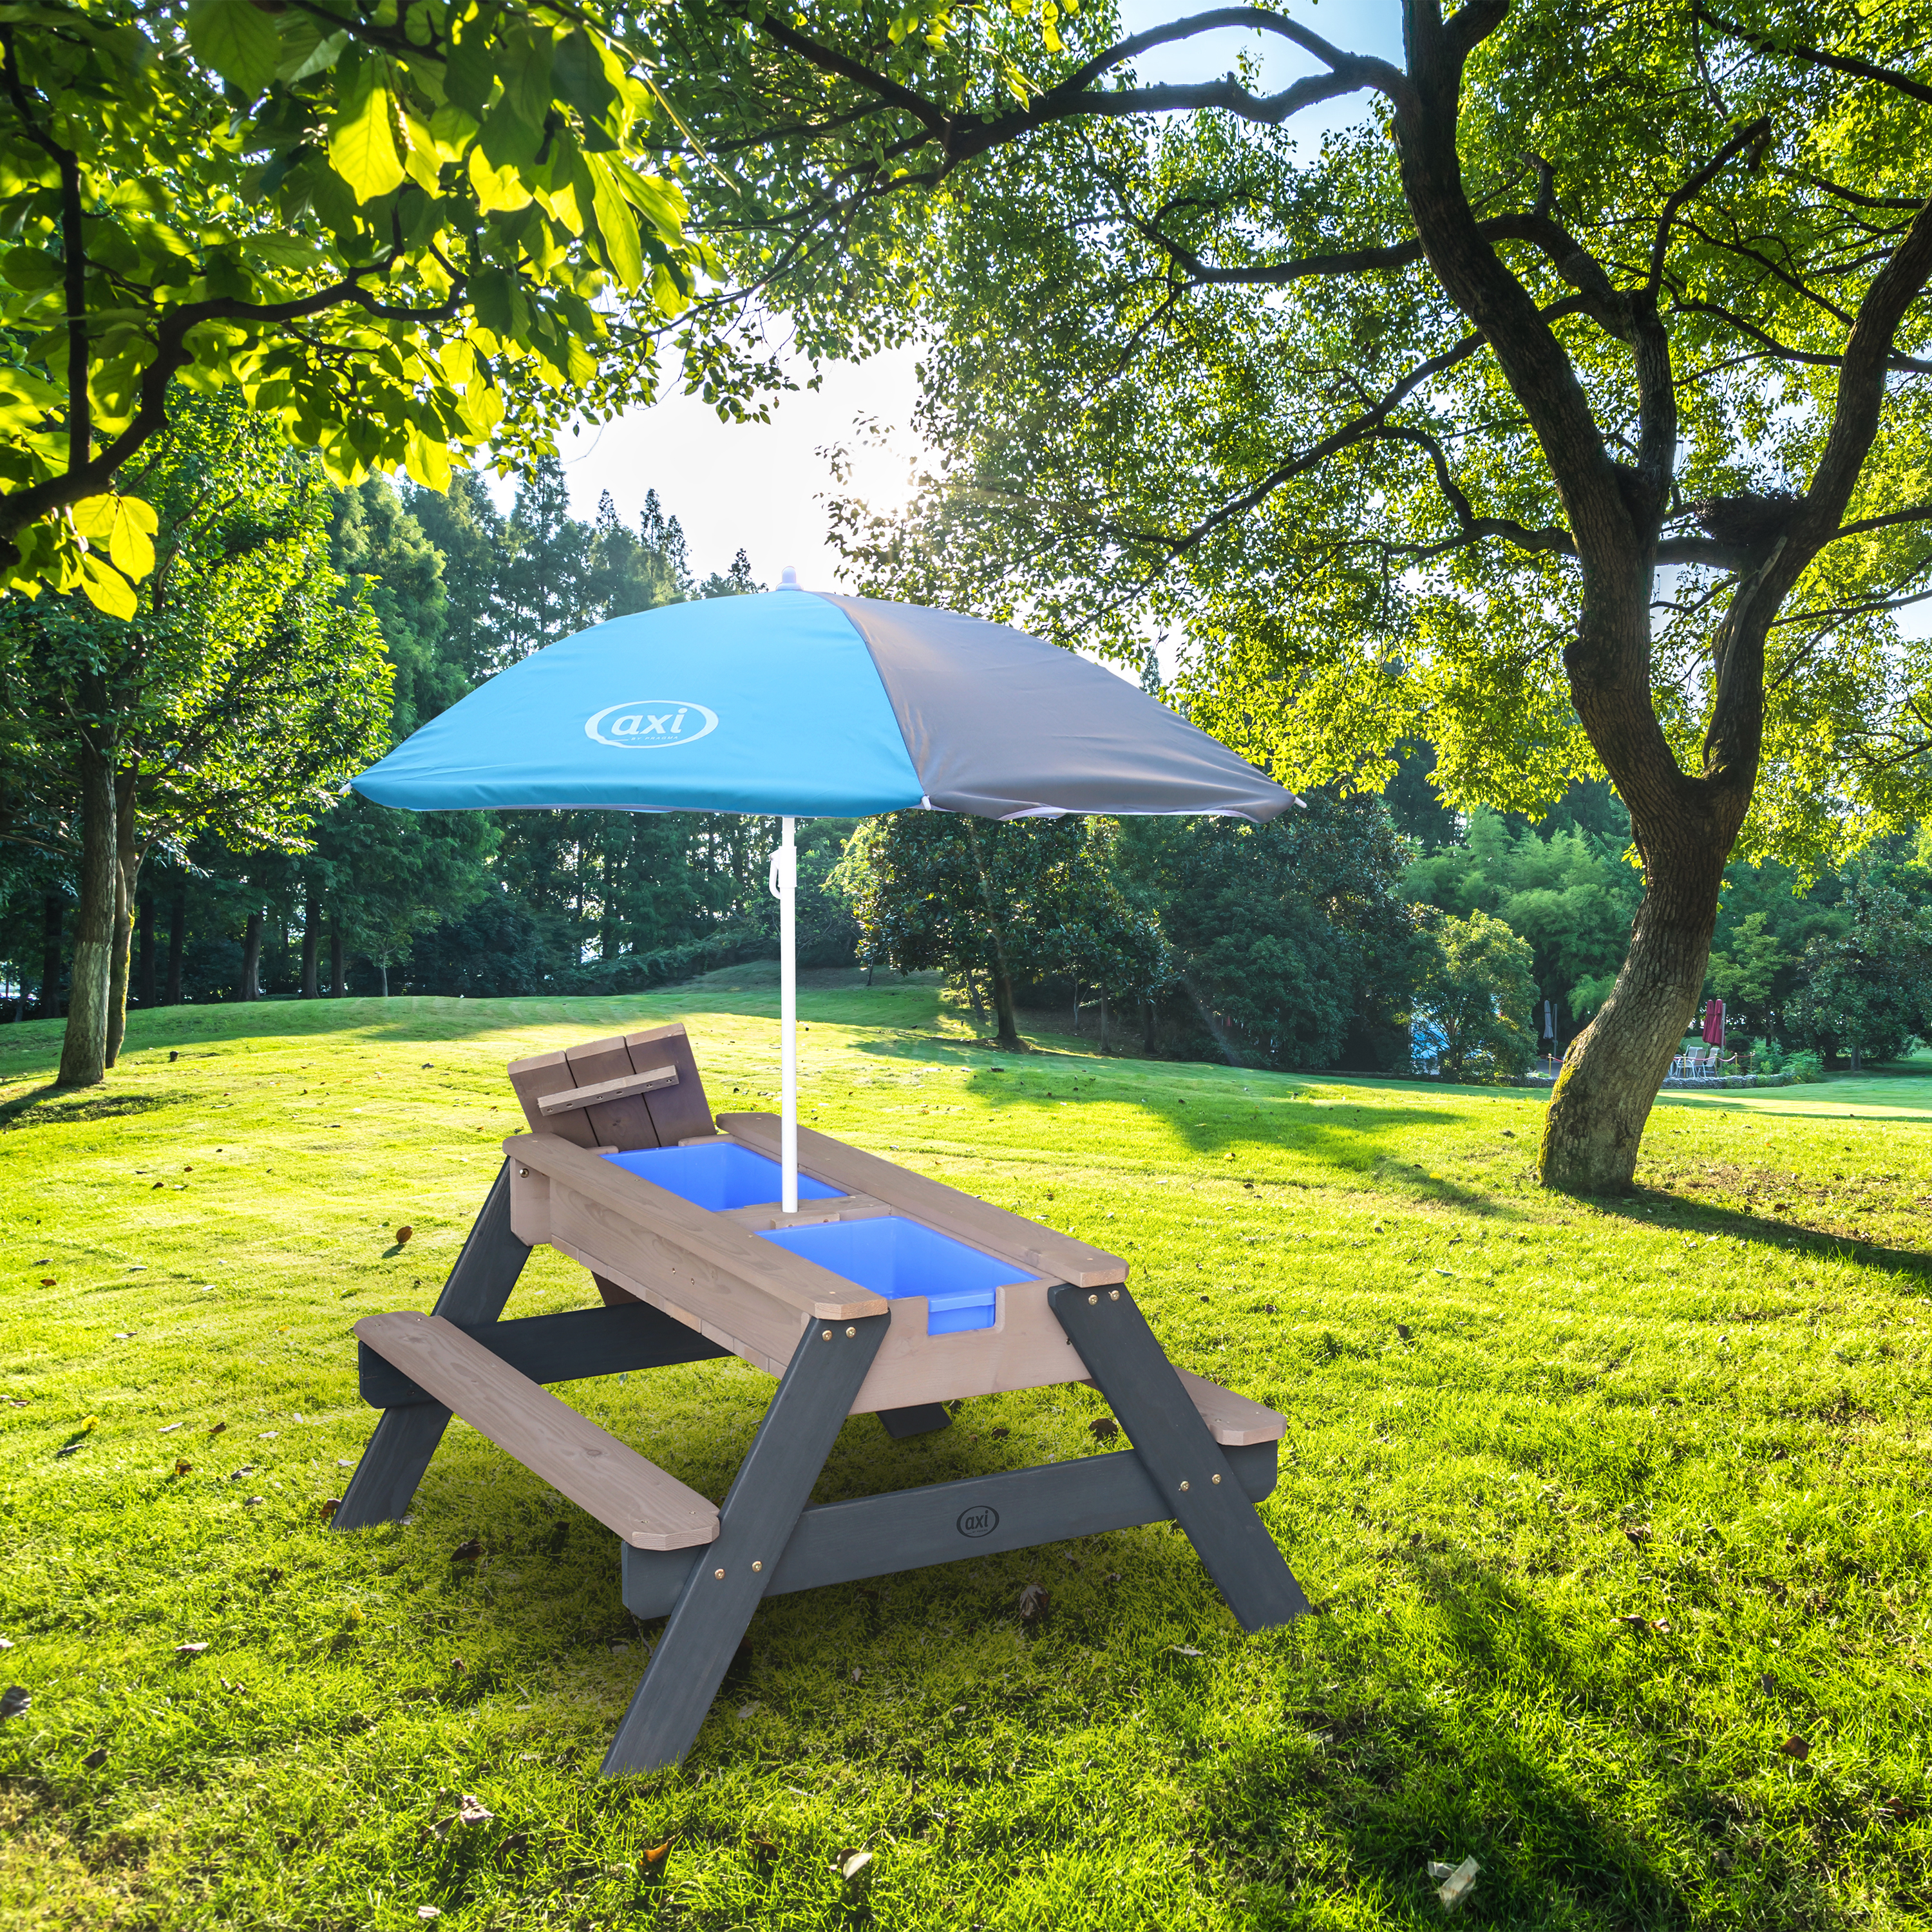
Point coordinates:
[[763, 486]]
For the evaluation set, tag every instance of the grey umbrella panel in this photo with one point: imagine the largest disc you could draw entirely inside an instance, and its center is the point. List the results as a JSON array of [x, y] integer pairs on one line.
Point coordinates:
[[1000, 724]]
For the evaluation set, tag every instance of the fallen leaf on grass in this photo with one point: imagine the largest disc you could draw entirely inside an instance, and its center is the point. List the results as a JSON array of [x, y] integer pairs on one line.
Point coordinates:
[[1634, 1623], [14, 1699], [764, 1851], [327, 1508], [1767, 1684], [998, 1434], [217, 1430], [855, 1870], [249, 1502], [1662, 1626], [95, 1760], [1796, 1747], [182, 1465], [47, 1281], [655, 1861], [467, 1552], [1402, 1331], [1639, 1536], [1034, 1603], [172, 1427], [1103, 1429], [190, 1649], [1186, 1650], [402, 1236], [429, 1912]]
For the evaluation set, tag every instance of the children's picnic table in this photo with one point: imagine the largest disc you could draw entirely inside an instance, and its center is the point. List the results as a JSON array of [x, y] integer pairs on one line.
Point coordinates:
[[886, 1293]]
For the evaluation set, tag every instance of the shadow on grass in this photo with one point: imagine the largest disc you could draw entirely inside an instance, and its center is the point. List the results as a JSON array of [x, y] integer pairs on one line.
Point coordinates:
[[1690, 1216], [50, 1106], [1407, 1774]]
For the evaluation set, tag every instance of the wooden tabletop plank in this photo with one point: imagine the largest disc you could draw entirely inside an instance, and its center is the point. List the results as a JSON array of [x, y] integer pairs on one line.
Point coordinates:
[[1011, 1237], [809, 1292], [648, 1506]]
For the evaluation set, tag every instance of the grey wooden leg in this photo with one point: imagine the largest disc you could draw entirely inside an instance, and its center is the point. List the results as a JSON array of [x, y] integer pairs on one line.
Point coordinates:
[[1189, 1469], [754, 1523], [384, 1481], [922, 1419]]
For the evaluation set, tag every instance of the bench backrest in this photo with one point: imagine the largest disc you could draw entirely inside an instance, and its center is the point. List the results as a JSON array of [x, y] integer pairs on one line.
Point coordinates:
[[636, 1090]]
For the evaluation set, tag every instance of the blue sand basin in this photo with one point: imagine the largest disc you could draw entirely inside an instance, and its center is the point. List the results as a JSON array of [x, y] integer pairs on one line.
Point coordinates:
[[895, 1257], [719, 1175]]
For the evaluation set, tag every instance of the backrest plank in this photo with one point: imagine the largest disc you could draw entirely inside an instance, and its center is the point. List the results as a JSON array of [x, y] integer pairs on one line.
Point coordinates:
[[624, 1123], [678, 1113]]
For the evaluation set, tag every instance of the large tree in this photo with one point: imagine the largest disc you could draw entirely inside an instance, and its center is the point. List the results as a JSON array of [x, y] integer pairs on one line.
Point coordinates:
[[1567, 411], [241, 694]]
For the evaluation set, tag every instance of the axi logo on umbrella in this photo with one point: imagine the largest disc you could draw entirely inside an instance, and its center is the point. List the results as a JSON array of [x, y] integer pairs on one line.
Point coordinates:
[[651, 724]]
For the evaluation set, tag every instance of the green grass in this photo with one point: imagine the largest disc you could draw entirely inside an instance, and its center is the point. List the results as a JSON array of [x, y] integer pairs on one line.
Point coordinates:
[[1514, 1421]]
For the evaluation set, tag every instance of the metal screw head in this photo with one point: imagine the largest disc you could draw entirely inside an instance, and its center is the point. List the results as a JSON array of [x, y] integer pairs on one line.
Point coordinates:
[[720, 1575], [1092, 1301], [760, 1566], [849, 1333], [1113, 1295], [1213, 1479], [1183, 1485], [827, 1336]]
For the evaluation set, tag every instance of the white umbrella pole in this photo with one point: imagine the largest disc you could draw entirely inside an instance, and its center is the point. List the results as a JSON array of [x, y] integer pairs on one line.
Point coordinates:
[[785, 870]]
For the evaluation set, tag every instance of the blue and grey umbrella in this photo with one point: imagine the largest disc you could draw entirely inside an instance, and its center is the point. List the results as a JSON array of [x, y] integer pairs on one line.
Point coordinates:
[[796, 705]]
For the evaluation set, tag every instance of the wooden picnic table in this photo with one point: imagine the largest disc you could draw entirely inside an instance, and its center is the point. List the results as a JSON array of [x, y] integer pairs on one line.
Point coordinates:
[[625, 1170]]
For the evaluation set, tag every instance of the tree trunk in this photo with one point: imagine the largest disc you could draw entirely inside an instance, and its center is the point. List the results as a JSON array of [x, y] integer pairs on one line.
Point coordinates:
[[383, 967], [53, 913], [1008, 1029], [1148, 1025], [251, 959], [1076, 1008], [84, 1046], [1103, 1022], [1852, 1059], [1610, 1078], [979, 1005], [145, 979], [171, 992], [335, 987], [311, 947], [127, 874]]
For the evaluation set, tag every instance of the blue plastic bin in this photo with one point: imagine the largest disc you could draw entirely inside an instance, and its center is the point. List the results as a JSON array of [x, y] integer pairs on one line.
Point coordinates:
[[719, 1175], [894, 1257]]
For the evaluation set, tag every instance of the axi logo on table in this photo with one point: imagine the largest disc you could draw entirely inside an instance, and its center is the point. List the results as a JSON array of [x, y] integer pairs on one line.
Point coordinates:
[[651, 724]]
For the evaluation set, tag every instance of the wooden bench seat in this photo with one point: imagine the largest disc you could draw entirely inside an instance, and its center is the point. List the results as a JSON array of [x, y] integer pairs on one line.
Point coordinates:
[[647, 1507]]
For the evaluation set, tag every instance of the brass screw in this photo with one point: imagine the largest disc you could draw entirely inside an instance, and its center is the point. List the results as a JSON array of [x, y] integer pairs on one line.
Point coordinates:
[[720, 1575], [1213, 1479], [828, 1334], [1113, 1295], [849, 1333], [760, 1566], [1092, 1301]]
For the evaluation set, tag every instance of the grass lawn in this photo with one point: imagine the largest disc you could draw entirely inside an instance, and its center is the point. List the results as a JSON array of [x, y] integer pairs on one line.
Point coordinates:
[[1616, 1516]]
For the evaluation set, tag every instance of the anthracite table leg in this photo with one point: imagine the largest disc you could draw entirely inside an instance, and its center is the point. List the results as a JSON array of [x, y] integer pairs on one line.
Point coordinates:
[[755, 1522], [1189, 1470], [384, 1481]]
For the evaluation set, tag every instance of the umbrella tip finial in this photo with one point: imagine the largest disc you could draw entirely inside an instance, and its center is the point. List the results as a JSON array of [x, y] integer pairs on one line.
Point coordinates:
[[788, 578]]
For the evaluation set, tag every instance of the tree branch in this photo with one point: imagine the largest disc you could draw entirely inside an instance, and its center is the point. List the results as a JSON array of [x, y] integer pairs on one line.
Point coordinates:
[[1763, 44]]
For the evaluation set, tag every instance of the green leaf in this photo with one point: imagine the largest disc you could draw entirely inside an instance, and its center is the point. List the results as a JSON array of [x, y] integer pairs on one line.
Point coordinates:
[[615, 222], [106, 589], [30, 268], [304, 55], [577, 75], [362, 143], [237, 40], [471, 72]]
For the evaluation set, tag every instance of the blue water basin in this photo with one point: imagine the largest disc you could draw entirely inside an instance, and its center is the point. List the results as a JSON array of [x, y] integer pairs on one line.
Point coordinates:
[[894, 1257], [718, 1175]]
